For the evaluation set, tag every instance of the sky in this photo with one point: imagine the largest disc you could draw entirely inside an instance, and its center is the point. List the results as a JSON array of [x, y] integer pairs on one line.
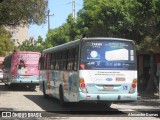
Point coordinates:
[[59, 9]]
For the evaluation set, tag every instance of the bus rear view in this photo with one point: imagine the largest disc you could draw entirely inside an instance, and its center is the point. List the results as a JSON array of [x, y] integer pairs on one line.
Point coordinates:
[[108, 70], [21, 68]]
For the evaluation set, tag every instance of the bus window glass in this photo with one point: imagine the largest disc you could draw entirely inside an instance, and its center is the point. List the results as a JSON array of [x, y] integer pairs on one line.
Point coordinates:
[[52, 61], [64, 59], [57, 61], [41, 63], [48, 60], [76, 50], [70, 62]]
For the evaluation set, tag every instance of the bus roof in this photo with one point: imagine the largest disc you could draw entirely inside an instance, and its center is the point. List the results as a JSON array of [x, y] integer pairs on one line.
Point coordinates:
[[77, 42], [62, 46], [107, 38], [19, 52]]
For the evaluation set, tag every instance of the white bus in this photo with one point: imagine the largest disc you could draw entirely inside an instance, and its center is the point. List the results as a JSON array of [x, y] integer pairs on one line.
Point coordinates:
[[90, 70]]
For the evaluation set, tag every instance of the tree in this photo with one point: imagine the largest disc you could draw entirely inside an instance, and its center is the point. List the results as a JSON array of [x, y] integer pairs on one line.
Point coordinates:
[[62, 34], [6, 45], [147, 15], [105, 18], [16, 12], [32, 45], [39, 44], [133, 19], [25, 46]]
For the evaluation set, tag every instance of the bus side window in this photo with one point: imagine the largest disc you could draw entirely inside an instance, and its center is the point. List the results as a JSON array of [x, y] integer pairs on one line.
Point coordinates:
[[48, 61], [72, 59], [7, 62], [45, 62], [41, 63], [52, 61], [64, 60], [58, 59], [76, 54]]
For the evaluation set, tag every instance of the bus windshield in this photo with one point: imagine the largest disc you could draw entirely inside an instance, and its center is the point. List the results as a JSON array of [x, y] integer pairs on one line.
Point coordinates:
[[109, 55]]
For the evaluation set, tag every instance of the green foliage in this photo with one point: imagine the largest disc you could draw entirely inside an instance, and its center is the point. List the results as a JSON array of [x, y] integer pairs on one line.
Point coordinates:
[[138, 20], [31, 45], [6, 44], [146, 18], [104, 18], [63, 34], [15, 12]]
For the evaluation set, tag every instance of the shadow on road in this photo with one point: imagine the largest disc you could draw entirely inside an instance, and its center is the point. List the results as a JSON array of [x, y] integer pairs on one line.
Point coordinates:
[[3, 87], [52, 105], [6, 109]]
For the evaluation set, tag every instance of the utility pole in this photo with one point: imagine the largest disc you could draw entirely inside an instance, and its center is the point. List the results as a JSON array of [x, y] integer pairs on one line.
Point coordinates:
[[74, 8], [49, 19]]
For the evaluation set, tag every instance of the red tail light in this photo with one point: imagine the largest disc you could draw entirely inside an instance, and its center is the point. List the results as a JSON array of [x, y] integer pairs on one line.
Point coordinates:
[[13, 75], [82, 85], [133, 85]]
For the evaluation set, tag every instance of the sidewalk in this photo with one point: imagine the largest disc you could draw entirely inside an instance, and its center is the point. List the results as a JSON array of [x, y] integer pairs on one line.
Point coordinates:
[[149, 100], [147, 96]]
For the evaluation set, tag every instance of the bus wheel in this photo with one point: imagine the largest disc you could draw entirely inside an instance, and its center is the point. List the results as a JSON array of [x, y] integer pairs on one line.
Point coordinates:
[[5, 84], [44, 91], [61, 96]]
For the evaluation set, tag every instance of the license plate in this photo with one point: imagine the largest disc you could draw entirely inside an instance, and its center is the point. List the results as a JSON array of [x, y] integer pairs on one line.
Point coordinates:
[[108, 87], [22, 77]]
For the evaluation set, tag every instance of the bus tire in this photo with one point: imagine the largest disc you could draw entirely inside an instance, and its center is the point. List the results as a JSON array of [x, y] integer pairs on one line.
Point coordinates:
[[5, 84], [61, 97], [44, 91]]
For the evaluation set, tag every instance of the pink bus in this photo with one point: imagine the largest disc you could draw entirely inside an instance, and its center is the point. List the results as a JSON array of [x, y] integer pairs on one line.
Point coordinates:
[[21, 68]]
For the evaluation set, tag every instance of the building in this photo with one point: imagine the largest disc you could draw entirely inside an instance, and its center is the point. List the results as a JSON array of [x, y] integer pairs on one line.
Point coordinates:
[[19, 34], [144, 62]]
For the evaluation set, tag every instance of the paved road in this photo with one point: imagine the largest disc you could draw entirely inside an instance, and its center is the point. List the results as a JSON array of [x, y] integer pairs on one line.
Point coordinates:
[[22, 100]]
